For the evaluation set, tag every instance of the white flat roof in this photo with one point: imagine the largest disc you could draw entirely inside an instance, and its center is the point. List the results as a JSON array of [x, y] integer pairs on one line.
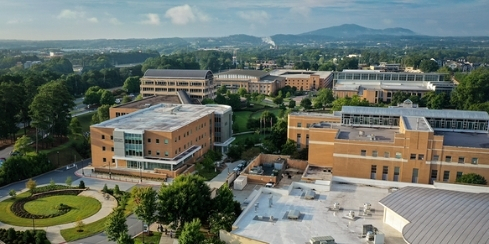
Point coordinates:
[[163, 117], [317, 219]]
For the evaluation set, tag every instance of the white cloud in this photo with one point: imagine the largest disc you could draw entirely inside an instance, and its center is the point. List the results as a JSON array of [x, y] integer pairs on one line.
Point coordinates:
[[70, 14], [387, 21], [114, 21], [254, 16], [303, 11], [184, 14], [151, 19], [92, 20]]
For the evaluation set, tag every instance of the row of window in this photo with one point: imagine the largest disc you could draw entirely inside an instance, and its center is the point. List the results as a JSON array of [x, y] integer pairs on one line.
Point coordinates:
[[171, 83], [446, 175], [400, 77], [413, 156]]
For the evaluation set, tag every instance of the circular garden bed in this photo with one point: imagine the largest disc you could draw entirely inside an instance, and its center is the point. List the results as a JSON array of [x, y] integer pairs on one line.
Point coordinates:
[[47, 209]]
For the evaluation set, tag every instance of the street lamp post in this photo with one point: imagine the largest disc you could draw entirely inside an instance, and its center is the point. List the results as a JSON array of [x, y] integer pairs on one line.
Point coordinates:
[[58, 157]]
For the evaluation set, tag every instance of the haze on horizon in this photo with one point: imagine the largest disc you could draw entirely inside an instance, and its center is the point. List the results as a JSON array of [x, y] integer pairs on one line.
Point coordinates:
[[112, 19]]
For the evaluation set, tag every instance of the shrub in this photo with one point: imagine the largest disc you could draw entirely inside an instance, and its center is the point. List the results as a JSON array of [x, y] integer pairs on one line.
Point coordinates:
[[117, 191], [105, 189], [12, 193], [31, 185], [51, 182], [79, 225], [81, 185], [69, 181]]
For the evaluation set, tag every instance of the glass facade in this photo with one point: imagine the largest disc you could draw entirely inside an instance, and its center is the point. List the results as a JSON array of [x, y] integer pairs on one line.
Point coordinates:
[[133, 144]]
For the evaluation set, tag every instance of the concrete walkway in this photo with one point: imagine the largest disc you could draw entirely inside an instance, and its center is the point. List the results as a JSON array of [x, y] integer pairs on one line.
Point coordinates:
[[53, 232]]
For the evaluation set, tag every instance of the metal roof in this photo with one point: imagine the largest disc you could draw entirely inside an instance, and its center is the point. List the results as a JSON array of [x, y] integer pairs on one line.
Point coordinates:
[[427, 113], [255, 73], [177, 73], [441, 216]]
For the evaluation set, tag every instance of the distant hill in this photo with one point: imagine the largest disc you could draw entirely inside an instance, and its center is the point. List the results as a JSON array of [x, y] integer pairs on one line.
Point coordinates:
[[352, 30]]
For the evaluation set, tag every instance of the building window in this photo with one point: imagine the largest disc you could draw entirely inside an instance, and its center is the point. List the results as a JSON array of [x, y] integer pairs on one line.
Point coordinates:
[[112, 137], [386, 154], [299, 124], [436, 158], [459, 174], [446, 175], [113, 160], [166, 141], [434, 175], [413, 156], [166, 153], [475, 161], [415, 176], [461, 160], [104, 160], [448, 159], [157, 141], [373, 172], [103, 137], [420, 156], [385, 172], [308, 125], [396, 173], [149, 140], [398, 155], [374, 153], [157, 153], [363, 152], [112, 149], [149, 152], [103, 148]]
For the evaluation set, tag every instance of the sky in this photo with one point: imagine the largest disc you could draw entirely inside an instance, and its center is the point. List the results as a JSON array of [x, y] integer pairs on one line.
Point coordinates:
[[118, 19]]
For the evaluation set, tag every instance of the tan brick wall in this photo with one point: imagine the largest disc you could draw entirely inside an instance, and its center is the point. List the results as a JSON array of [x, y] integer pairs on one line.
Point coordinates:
[[231, 238], [116, 112], [297, 164]]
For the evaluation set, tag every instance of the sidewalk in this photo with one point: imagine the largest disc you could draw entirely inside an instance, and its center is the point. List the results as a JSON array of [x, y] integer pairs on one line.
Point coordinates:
[[165, 239], [88, 173], [53, 232]]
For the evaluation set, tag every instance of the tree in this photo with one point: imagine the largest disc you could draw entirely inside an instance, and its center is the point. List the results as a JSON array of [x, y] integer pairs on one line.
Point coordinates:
[[472, 178], [289, 148], [93, 95], [472, 89], [306, 103], [242, 92], [125, 238], [69, 181], [75, 127], [347, 63], [324, 98], [31, 185], [349, 101], [107, 98], [81, 185], [191, 233], [126, 99], [79, 225], [328, 66], [278, 100], [187, 198], [132, 84], [12, 193], [428, 65], [145, 207], [115, 226], [22, 145], [292, 104], [139, 97]]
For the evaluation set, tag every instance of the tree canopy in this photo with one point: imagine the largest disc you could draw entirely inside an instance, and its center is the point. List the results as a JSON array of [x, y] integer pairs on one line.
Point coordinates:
[[472, 178]]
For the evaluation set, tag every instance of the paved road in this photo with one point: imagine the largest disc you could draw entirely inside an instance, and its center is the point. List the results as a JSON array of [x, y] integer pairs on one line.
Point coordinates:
[[59, 176], [5, 152]]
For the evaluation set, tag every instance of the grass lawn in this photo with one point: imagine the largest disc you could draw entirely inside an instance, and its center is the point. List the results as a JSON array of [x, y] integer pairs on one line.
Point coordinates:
[[155, 238], [208, 175], [257, 114], [93, 228], [242, 138], [241, 118], [82, 207]]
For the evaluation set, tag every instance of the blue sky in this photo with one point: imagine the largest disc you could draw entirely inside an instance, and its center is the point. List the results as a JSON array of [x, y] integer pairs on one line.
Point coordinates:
[[91, 19]]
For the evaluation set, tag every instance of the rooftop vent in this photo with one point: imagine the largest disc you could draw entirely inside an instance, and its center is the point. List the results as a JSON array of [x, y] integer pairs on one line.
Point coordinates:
[[293, 214]]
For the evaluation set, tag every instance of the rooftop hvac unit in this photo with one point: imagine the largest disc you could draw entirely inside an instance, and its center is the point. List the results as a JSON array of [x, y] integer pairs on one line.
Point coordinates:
[[369, 236], [322, 240], [336, 206], [361, 133]]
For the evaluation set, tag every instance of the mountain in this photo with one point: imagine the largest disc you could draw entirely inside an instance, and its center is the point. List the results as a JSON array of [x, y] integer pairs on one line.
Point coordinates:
[[352, 30]]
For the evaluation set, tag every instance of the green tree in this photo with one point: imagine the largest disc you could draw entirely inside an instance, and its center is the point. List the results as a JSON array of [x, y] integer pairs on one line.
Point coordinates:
[[191, 233], [187, 198], [75, 128], [12, 193], [472, 89], [145, 207], [22, 145], [103, 113], [428, 65], [125, 238], [242, 92], [126, 99], [324, 98], [132, 84], [472, 178], [278, 100], [328, 66], [349, 101], [93, 95], [31, 185], [115, 225], [347, 63], [139, 97], [107, 98], [306, 103], [292, 104], [69, 181], [289, 148]]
